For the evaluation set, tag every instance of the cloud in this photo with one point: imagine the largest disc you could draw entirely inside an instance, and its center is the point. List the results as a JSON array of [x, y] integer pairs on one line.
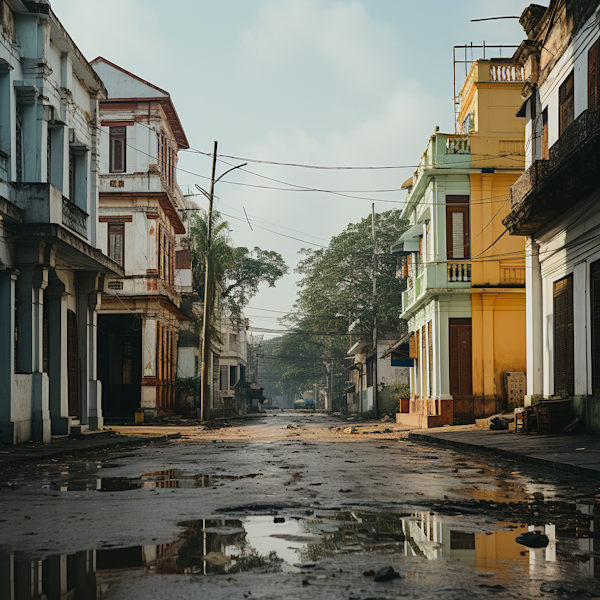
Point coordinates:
[[114, 29], [339, 34]]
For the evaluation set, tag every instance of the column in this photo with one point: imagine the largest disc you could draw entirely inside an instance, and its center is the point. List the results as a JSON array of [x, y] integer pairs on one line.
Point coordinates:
[[57, 359], [95, 418], [489, 372], [534, 320], [87, 284], [580, 312], [443, 344], [7, 356], [149, 374], [30, 310]]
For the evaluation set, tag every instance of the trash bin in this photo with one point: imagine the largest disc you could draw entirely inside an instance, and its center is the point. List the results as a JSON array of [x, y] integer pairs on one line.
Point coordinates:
[[139, 416]]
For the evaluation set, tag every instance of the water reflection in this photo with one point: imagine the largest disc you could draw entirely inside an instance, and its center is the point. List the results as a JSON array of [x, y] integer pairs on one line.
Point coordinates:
[[276, 543]]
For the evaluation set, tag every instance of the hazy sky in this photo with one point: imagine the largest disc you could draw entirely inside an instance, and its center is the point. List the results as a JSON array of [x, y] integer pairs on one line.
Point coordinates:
[[321, 82]]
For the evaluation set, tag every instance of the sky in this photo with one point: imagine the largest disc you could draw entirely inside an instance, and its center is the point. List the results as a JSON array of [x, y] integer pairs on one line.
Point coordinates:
[[316, 82]]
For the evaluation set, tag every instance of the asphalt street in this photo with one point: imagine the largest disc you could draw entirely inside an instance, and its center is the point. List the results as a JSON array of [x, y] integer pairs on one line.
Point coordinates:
[[294, 505]]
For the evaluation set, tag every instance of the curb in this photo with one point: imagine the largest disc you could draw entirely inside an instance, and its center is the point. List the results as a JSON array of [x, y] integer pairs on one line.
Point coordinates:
[[14, 458], [521, 458]]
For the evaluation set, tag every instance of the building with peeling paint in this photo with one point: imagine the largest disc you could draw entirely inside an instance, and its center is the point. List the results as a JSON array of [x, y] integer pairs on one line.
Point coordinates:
[[52, 269], [138, 323], [554, 204], [465, 297]]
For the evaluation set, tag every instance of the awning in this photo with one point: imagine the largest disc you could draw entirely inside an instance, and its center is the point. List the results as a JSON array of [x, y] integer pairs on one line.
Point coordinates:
[[359, 347], [409, 241], [396, 345], [350, 389]]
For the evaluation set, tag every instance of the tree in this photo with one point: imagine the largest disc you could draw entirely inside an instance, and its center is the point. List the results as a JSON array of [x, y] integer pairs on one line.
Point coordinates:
[[235, 272], [336, 289]]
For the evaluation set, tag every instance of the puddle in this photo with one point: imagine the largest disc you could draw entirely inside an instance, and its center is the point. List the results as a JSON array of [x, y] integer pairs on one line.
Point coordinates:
[[167, 479], [287, 541]]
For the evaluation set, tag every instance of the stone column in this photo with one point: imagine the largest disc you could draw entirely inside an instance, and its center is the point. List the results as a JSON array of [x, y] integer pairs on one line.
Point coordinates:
[[96, 420], [534, 322], [149, 374], [87, 284], [8, 433], [442, 347], [580, 328], [57, 360], [30, 306]]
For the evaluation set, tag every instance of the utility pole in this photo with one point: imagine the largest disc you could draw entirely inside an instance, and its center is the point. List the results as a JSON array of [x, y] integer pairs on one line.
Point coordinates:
[[375, 399], [208, 291], [331, 387]]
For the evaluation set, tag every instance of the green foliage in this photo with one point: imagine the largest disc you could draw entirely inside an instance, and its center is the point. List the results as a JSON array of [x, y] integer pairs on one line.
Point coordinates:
[[335, 290], [234, 273]]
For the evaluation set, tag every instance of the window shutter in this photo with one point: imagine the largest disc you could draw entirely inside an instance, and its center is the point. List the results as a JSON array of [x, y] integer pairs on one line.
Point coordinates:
[[457, 232], [117, 149], [545, 147], [458, 226], [595, 287], [564, 359], [566, 103], [116, 234], [593, 75]]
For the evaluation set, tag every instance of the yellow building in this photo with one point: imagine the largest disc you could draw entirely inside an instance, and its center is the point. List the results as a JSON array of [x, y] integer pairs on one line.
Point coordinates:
[[465, 298]]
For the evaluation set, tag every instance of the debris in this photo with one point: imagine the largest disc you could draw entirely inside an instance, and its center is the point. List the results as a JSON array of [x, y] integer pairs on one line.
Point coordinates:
[[370, 573], [498, 424], [231, 580], [386, 574], [345, 491], [216, 558], [279, 520], [291, 426], [349, 430], [305, 565], [533, 539], [305, 582], [386, 419], [496, 587], [571, 426]]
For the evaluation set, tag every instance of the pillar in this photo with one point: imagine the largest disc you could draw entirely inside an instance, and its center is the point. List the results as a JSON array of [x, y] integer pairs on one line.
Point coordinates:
[[534, 320], [149, 374], [57, 359], [442, 346], [580, 328], [7, 356], [489, 372]]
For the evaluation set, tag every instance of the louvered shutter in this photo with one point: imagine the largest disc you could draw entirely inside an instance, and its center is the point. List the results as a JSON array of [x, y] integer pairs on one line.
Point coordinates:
[[593, 75], [545, 147], [564, 359], [595, 286], [117, 149], [457, 232], [566, 103]]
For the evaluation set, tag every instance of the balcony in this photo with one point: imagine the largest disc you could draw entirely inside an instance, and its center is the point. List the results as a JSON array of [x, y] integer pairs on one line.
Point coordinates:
[[442, 277], [43, 203], [550, 188], [458, 144]]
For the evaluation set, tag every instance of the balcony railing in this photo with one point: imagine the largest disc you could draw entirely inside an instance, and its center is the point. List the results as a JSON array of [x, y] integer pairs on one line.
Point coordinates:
[[4, 158], [458, 144], [459, 272], [579, 132], [512, 275], [504, 73], [74, 218]]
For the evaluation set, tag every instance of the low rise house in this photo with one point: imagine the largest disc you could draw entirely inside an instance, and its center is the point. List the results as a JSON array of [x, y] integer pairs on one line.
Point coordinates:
[[138, 324], [233, 362], [465, 297], [554, 204], [52, 269]]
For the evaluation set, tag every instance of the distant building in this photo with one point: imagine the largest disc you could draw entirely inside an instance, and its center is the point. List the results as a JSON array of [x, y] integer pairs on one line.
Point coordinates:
[[51, 268], [140, 200], [465, 297], [233, 362], [555, 203]]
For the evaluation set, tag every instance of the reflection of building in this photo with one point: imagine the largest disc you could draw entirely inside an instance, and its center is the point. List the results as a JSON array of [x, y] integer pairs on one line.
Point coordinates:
[[51, 269], [141, 135]]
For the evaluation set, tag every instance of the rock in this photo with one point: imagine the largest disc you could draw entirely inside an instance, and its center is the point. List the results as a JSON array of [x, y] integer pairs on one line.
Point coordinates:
[[552, 587], [370, 573], [533, 539], [349, 430], [305, 582], [386, 419], [291, 426], [386, 574]]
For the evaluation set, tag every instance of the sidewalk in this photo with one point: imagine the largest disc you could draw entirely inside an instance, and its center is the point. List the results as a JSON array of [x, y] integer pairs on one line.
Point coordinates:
[[32, 451], [576, 454]]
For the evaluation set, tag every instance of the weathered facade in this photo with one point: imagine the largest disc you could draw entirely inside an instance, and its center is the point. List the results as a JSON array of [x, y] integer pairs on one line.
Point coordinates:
[[233, 362], [140, 135], [51, 268], [555, 203], [465, 298]]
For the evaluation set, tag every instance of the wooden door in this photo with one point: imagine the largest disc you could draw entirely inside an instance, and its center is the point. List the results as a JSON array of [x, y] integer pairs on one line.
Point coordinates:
[[595, 320], [72, 363], [564, 342], [461, 379]]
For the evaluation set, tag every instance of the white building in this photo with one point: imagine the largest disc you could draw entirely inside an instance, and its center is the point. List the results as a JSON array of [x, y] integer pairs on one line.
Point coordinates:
[[51, 269], [140, 136], [233, 363], [555, 203]]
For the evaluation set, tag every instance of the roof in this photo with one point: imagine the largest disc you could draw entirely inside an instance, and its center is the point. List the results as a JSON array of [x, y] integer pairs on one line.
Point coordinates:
[[153, 94], [401, 342]]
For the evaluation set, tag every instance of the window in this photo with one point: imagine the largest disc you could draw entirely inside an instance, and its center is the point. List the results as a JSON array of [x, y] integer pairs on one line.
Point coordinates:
[[545, 147], [564, 352], [224, 371], [593, 75], [566, 102], [19, 142], [232, 376], [117, 147], [595, 320], [457, 227], [116, 242]]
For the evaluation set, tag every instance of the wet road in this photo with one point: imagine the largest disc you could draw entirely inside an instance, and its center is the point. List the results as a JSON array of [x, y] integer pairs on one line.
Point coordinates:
[[265, 511]]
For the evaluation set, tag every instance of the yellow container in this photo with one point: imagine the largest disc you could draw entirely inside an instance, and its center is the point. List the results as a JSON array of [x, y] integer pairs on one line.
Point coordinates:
[[139, 416]]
